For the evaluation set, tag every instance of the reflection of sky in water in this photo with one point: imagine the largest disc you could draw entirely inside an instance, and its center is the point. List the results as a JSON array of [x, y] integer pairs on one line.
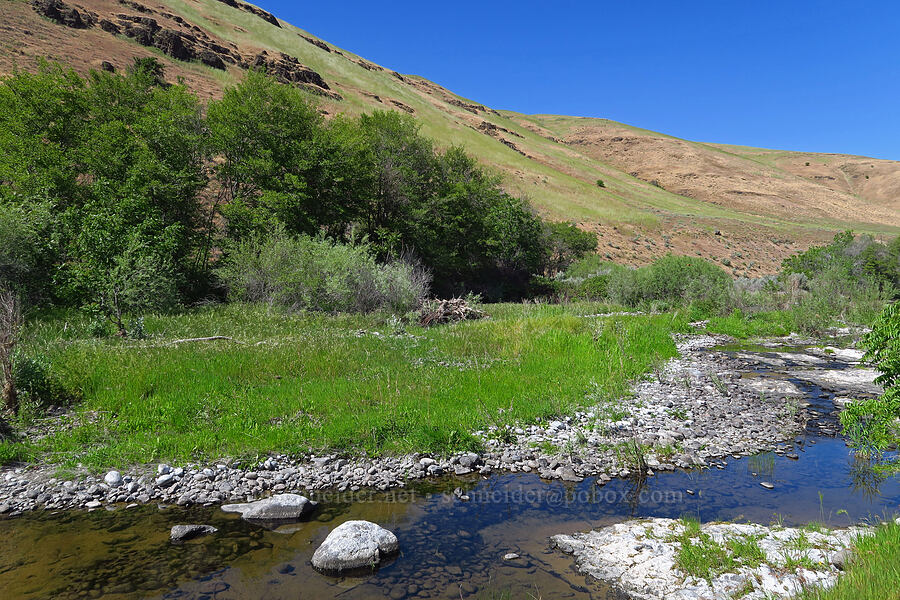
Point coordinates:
[[449, 548]]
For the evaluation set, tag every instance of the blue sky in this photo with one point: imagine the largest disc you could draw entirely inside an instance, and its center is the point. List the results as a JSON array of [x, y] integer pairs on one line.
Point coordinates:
[[816, 76]]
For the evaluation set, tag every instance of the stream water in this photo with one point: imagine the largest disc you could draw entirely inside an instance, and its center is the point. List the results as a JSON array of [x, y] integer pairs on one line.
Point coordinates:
[[449, 548]]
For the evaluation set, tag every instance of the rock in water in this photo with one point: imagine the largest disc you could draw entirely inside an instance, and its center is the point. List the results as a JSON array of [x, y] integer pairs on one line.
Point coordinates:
[[181, 533], [354, 545], [282, 507]]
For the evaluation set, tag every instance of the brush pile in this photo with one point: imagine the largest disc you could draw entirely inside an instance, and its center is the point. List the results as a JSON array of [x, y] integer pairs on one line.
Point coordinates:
[[439, 312]]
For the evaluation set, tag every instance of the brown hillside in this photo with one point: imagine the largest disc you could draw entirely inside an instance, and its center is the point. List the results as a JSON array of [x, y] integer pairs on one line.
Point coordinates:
[[745, 207]]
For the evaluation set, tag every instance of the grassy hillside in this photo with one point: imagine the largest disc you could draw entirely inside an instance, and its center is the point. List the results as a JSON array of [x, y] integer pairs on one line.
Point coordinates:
[[660, 194]]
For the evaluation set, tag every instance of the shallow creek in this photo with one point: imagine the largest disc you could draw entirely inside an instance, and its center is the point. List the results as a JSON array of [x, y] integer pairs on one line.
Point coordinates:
[[449, 548]]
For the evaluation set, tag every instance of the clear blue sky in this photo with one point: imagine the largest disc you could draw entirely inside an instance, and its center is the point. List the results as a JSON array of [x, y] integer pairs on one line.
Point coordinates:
[[816, 76]]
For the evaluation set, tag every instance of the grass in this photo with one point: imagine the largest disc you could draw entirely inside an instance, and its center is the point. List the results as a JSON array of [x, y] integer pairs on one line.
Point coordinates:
[[873, 574], [294, 383], [701, 556], [763, 324]]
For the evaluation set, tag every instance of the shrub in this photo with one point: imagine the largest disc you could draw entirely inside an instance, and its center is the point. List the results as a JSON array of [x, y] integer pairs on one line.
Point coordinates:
[[313, 273], [674, 281], [566, 243], [595, 287], [872, 425], [600, 183]]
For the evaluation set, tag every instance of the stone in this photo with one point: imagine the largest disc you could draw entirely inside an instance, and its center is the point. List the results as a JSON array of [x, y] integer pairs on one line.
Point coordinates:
[[165, 480], [767, 485], [281, 507], [469, 460], [510, 556], [354, 545], [181, 533], [841, 559], [113, 479]]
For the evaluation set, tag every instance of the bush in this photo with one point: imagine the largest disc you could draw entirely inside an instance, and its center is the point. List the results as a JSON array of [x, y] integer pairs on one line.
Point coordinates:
[[872, 424], [307, 273], [674, 281]]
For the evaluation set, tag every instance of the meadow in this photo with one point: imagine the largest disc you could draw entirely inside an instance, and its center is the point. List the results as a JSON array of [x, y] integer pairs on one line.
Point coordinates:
[[306, 382]]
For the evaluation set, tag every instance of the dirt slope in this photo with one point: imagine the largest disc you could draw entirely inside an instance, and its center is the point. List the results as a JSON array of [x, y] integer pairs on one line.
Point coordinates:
[[747, 207]]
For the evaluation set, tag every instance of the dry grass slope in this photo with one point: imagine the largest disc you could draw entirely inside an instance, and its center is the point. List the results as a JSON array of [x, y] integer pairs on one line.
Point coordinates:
[[661, 194]]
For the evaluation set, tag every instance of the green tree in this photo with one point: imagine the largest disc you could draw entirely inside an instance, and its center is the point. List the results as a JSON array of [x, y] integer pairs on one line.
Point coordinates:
[[278, 160]]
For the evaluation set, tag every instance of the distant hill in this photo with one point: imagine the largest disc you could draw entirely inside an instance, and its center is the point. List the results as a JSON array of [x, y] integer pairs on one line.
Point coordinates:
[[750, 206]]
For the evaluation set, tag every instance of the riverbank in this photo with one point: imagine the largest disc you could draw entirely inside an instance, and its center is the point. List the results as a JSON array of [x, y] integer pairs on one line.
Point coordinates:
[[665, 558], [699, 410]]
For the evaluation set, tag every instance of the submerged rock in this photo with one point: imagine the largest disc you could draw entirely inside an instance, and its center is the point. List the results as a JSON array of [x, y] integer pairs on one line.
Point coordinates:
[[354, 545], [282, 507], [182, 533]]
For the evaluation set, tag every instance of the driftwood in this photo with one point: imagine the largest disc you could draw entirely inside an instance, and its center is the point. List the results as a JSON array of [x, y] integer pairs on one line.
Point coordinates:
[[437, 312], [203, 339]]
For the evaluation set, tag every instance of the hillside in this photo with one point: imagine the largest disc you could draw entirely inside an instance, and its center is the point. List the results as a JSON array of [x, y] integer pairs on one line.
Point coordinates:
[[750, 206]]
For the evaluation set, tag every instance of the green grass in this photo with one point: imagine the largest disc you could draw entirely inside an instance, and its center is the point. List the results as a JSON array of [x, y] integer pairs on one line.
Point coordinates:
[[873, 574], [763, 324], [298, 382]]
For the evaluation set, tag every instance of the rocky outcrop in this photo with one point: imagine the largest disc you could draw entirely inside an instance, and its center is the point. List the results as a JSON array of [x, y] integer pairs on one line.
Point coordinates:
[[492, 130], [264, 15], [184, 41], [403, 107], [211, 59], [315, 42], [62, 13], [355, 545], [287, 69], [172, 43], [367, 65]]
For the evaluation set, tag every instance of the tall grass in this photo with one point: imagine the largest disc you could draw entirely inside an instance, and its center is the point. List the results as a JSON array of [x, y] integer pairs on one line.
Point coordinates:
[[874, 571], [299, 382]]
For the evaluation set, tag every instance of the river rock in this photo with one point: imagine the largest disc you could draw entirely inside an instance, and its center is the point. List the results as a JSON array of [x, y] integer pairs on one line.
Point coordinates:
[[354, 545], [181, 533], [113, 479], [841, 559], [281, 507]]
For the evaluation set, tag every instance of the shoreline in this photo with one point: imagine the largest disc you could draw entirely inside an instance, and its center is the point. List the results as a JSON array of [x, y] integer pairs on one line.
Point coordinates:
[[698, 411]]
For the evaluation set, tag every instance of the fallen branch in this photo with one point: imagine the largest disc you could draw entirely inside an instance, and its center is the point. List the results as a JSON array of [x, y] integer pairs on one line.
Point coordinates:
[[204, 339]]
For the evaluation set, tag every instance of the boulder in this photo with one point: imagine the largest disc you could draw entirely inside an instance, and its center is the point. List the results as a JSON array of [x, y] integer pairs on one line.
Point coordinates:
[[181, 533], [354, 545], [282, 507]]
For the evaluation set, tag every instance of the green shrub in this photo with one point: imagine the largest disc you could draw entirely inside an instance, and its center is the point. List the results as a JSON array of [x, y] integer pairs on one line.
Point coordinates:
[[306, 273], [595, 287], [674, 281], [872, 424]]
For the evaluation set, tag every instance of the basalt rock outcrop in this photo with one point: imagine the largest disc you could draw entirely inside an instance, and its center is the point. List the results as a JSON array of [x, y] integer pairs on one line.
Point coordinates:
[[181, 40]]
